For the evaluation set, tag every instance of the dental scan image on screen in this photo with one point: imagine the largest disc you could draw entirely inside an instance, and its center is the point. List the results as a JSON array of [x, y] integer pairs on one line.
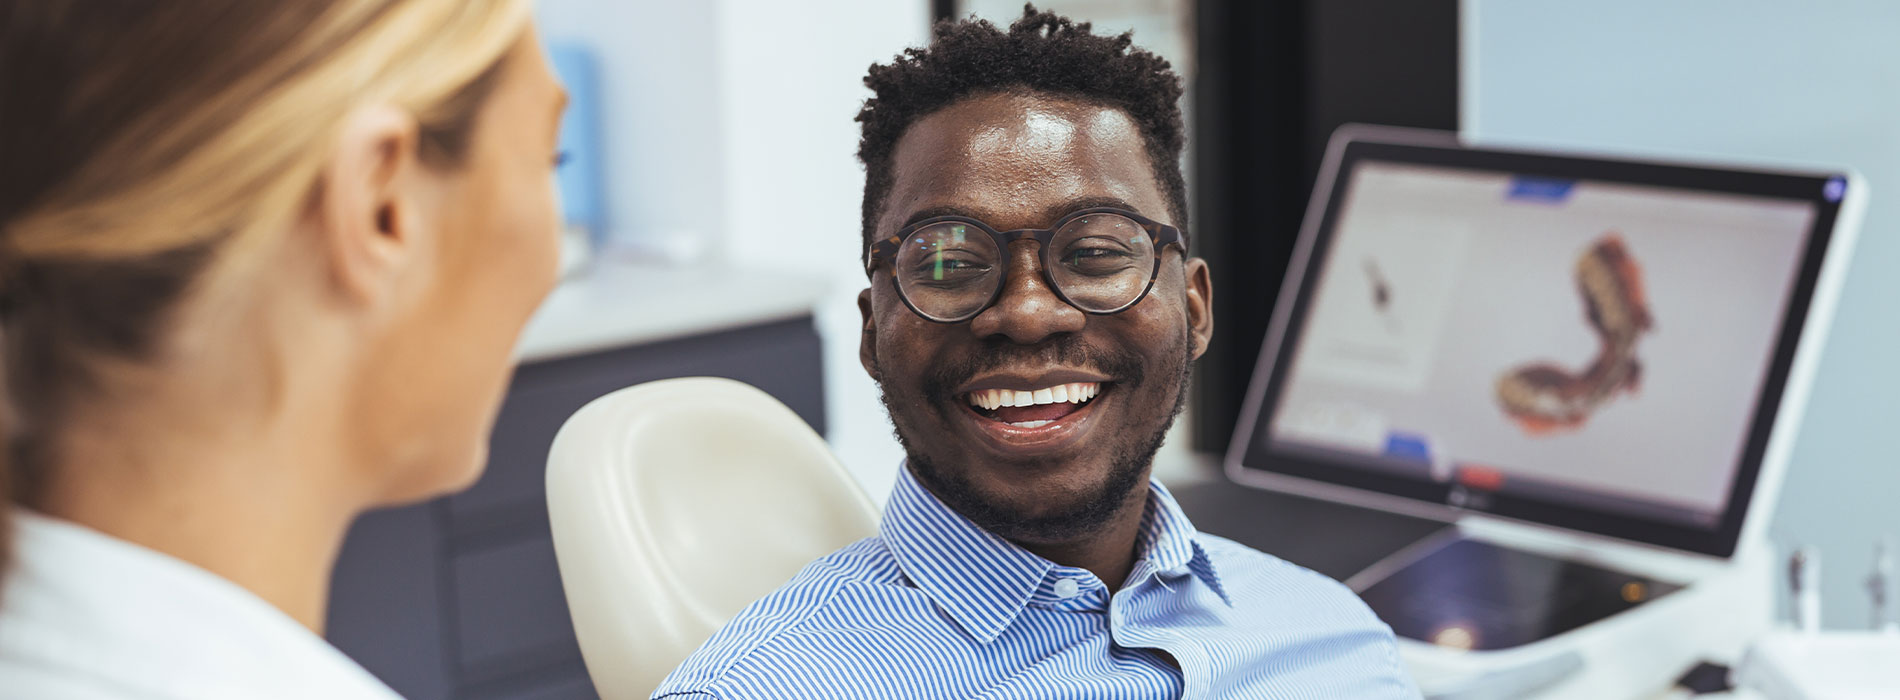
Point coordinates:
[[1599, 343]]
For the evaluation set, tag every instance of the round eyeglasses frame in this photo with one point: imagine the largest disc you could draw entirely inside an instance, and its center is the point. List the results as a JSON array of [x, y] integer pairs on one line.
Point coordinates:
[[1163, 235]]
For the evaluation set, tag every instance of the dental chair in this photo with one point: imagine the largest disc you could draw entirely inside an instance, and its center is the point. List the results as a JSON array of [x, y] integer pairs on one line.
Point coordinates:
[[676, 503]]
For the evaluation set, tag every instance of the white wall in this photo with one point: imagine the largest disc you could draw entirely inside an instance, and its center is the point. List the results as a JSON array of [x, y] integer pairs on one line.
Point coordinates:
[[658, 69], [793, 74], [1771, 79], [731, 121], [1165, 27]]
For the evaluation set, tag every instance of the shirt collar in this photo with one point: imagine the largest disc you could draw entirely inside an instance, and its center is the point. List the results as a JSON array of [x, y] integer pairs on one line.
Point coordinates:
[[1170, 543], [984, 581], [83, 604]]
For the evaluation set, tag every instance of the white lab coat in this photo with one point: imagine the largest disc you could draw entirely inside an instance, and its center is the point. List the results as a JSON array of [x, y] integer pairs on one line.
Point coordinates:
[[84, 616]]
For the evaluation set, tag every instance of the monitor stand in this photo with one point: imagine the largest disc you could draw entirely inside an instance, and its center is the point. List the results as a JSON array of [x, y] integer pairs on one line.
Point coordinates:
[[1489, 610], [1473, 595], [1623, 655]]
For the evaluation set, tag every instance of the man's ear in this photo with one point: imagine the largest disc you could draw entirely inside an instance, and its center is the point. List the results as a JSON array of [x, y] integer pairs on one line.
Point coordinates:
[[1200, 304], [364, 202], [867, 341]]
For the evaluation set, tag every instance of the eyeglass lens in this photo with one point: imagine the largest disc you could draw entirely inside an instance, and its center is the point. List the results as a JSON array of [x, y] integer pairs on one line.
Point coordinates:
[[1099, 263]]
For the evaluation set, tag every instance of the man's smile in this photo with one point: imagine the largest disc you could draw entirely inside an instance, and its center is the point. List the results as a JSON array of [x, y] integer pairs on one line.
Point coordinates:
[[1021, 408], [1017, 415]]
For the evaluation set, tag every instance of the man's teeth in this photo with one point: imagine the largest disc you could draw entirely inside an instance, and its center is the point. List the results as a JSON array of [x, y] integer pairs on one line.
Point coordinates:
[[992, 399]]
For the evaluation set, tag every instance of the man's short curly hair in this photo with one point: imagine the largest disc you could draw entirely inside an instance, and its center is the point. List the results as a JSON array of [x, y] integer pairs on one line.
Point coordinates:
[[1041, 53]]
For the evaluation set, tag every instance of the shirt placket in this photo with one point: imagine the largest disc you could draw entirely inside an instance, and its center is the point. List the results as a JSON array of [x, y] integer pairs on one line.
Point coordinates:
[[1124, 606]]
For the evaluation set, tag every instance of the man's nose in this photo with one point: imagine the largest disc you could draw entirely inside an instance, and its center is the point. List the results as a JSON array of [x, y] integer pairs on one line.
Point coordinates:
[[1027, 311]]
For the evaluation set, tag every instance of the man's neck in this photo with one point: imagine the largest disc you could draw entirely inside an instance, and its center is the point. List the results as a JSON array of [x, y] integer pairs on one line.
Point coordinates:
[[1109, 551]]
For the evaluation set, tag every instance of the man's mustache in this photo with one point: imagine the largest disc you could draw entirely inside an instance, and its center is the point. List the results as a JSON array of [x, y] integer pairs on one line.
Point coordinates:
[[997, 353]]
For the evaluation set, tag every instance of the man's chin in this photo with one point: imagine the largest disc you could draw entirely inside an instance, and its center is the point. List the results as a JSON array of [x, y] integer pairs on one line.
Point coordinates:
[[1046, 515]]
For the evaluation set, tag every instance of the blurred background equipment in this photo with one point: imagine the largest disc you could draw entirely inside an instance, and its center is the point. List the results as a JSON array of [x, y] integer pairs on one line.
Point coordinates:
[[1812, 666], [1801, 662], [1880, 589], [1625, 543], [1804, 588]]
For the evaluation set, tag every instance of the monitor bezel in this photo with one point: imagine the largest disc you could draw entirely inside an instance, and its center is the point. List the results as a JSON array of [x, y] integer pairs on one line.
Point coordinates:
[[1251, 460]]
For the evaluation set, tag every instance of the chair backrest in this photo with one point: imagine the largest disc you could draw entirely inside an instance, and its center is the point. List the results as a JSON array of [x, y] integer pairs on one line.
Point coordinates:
[[676, 503]]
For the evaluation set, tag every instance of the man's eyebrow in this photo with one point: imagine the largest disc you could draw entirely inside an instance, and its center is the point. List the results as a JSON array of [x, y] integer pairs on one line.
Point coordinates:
[[1049, 215], [935, 212], [1058, 211]]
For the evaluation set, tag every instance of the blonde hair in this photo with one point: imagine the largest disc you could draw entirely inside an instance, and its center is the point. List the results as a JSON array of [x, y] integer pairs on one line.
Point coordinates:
[[152, 146]]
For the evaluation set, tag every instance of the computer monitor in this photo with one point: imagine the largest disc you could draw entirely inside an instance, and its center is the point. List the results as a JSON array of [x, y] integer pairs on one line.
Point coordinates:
[[1609, 346]]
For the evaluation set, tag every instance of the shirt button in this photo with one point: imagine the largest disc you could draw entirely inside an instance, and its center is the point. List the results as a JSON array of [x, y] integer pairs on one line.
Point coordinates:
[[1067, 588]]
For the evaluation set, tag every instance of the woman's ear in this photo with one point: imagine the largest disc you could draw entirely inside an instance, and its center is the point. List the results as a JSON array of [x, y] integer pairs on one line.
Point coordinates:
[[367, 200]]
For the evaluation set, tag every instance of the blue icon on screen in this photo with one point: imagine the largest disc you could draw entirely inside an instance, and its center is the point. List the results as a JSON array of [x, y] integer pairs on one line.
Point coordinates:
[[1408, 446], [1548, 190]]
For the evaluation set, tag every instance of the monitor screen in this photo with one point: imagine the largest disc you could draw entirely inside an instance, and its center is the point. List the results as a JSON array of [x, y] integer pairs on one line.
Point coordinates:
[[1595, 344]]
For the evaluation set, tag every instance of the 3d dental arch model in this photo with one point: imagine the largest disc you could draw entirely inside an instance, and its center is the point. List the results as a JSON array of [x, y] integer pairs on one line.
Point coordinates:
[[1543, 398]]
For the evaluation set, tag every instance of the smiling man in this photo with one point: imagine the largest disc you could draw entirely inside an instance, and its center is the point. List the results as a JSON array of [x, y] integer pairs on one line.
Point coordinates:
[[1031, 318]]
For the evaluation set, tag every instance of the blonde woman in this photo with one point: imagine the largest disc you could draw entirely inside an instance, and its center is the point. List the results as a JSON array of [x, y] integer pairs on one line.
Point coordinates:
[[262, 266]]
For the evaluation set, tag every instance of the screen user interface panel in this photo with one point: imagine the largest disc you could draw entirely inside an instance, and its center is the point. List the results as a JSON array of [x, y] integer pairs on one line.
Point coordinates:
[[1591, 343]]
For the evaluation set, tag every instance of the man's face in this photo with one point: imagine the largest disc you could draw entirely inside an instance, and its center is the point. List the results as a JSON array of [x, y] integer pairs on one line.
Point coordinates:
[[1052, 472]]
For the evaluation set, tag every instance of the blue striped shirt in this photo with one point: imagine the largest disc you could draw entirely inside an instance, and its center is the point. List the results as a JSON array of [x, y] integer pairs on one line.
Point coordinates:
[[936, 607]]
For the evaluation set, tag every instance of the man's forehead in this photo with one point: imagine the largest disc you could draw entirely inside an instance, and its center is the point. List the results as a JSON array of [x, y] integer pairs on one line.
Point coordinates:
[[1012, 159]]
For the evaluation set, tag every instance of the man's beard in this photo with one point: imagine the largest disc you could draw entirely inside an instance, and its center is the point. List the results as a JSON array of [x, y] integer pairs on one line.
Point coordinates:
[[1127, 468]]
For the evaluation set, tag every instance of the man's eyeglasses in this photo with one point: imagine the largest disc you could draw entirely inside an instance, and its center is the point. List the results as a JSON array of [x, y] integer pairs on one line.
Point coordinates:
[[1100, 260]]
